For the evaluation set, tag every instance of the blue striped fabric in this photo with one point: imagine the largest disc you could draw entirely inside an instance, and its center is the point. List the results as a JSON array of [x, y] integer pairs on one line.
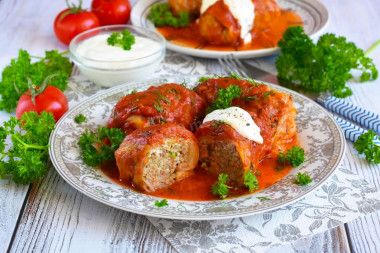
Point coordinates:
[[351, 131], [356, 114]]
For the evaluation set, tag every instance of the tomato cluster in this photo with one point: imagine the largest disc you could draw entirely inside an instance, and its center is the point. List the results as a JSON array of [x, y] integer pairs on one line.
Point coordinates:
[[74, 20]]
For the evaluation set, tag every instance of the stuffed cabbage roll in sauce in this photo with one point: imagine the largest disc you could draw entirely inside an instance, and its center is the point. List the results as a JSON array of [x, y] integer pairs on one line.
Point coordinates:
[[161, 157], [168, 103], [223, 142], [157, 156], [192, 6], [230, 24]]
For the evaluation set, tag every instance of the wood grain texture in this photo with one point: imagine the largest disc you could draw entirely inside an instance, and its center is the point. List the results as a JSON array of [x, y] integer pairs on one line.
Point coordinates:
[[332, 241], [357, 20], [58, 218], [12, 198]]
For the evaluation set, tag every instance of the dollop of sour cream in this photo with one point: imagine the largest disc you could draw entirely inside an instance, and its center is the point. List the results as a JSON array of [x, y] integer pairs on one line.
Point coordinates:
[[242, 10], [238, 119], [96, 48]]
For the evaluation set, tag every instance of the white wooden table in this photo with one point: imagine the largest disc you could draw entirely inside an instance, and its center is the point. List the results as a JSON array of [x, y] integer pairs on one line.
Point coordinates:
[[50, 215]]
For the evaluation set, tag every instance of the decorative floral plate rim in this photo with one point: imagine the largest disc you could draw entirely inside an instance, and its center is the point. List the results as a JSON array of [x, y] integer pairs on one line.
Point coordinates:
[[315, 15], [318, 133]]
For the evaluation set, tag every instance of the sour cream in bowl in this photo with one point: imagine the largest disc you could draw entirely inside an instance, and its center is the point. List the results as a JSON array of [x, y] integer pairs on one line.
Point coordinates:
[[108, 65]]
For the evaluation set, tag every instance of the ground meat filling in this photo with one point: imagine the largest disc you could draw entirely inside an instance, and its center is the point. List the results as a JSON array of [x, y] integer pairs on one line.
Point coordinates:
[[166, 163], [214, 160]]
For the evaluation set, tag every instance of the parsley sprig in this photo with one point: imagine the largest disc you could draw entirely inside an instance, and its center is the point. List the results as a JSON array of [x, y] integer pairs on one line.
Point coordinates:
[[219, 187], [324, 66], [294, 156], [251, 181], [27, 159], [161, 15], [263, 198], [15, 76], [224, 98], [161, 203], [365, 145], [80, 118], [124, 39], [303, 179], [94, 150]]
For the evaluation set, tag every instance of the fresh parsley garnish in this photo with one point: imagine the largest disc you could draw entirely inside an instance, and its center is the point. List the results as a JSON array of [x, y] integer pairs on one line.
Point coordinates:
[[266, 94], [80, 118], [158, 107], [234, 75], [365, 145], [294, 156], [161, 203], [124, 39], [251, 181], [224, 98], [324, 66], [219, 187], [27, 159], [303, 179], [251, 98], [15, 76], [162, 97], [94, 149], [203, 78], [173, 154], [263, 198], [161, 15]]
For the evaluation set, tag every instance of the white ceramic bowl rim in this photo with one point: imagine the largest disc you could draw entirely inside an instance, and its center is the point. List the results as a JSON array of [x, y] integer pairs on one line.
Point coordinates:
[[147, 32]]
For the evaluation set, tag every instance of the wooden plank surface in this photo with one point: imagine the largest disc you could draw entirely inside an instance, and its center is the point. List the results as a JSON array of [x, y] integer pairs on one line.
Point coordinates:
[[357, 20], [12, 198], [59, 218]]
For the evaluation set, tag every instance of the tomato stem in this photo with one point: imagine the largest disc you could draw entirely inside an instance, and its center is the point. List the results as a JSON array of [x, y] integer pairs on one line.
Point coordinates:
[[73, 8], [35, 91]]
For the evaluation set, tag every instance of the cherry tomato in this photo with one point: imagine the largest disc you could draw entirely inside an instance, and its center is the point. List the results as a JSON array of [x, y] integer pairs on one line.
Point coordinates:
[[111, 12], [73, 21], [51, 100]]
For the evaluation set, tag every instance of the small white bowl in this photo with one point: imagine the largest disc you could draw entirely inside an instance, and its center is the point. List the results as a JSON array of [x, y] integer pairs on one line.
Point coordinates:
[[115, 71]]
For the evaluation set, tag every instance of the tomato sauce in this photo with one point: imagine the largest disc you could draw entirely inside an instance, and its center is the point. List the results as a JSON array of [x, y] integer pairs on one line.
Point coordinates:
[[159, 104], [265, 35], [197, 187]]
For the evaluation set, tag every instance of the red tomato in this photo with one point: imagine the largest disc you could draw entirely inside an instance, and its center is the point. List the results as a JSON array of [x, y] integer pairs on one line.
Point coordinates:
[[111, 12], [51, 100], [73, 23]]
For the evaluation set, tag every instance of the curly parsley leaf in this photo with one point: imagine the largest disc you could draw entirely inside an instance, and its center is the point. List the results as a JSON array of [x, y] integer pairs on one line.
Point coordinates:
[[15, 76], [324, 66], [295, 156], [27, 159], [365, 145], [161, 15], [203, 79], [80, 118], [161, 203], [303, 179], [94, 147], [251, 181], [124, 39], [219, 187], [224, 98]]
